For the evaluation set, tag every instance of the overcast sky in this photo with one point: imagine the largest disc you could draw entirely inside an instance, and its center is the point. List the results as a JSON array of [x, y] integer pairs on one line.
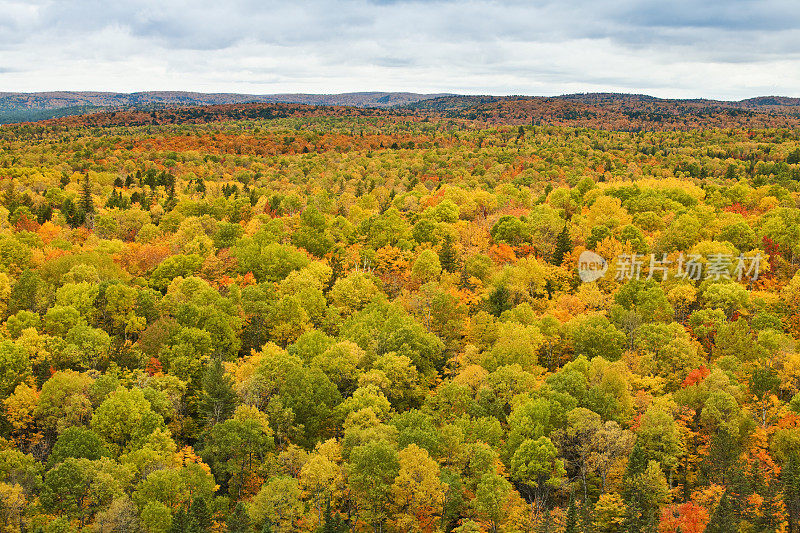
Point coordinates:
[[720, 49]]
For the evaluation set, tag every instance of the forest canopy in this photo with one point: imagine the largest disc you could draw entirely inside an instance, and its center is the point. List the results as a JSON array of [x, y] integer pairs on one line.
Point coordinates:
[[334, 321]]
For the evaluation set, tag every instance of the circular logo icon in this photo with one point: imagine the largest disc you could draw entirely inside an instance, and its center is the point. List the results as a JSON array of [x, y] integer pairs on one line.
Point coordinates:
[[591, 266]]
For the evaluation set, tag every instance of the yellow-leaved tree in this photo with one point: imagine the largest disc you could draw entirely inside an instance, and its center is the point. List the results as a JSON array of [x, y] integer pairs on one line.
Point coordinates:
[[417, 492]]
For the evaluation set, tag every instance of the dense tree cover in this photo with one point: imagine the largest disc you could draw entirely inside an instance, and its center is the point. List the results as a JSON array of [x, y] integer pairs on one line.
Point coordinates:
[[621, 112], [375, 323]]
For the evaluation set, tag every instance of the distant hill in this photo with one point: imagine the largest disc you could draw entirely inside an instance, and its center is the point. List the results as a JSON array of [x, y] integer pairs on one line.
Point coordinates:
[[22, 107], [138, 116], [631, 112], [771, 101], [456, 102], [451, 102], [14, 114], [627, 112]]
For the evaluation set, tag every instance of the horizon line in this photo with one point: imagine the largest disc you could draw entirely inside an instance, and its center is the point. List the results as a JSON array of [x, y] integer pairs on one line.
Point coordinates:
[[425, 93]]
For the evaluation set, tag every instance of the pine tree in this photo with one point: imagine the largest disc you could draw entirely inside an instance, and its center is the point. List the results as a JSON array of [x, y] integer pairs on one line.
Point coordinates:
[[331, 523], [499, 300], [218, 399], [563, 246], [637, 463], [147, 199], [178, 522], [768, 519], [44, 213], [572, 517], [463, 279], [199, 520], [10, 197], [75, 217], [790, 479], [171, 202], [87, 203], [723, 463], [327, 519], [239, 520], [447, 255], [723, 519]]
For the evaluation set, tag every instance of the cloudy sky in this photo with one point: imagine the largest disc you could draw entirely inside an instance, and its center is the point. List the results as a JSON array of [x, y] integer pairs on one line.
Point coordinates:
[[689, 48]]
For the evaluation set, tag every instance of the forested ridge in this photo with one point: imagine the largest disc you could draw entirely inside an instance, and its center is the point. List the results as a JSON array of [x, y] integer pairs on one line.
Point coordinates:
[[614, 112], [24, 107], [278, 318]]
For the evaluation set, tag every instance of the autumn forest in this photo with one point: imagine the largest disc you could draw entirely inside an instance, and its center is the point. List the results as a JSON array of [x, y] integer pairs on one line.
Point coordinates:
[[284, 318]]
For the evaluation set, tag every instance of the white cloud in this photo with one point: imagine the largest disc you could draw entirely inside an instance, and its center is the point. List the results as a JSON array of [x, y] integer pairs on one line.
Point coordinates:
[[722, 49]]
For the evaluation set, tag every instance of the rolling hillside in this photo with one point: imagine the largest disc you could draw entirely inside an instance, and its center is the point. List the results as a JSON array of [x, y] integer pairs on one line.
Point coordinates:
[[23, 107]]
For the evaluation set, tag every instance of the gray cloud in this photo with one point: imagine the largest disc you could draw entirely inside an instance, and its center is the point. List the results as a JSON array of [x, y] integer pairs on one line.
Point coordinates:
[[717, 48]]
